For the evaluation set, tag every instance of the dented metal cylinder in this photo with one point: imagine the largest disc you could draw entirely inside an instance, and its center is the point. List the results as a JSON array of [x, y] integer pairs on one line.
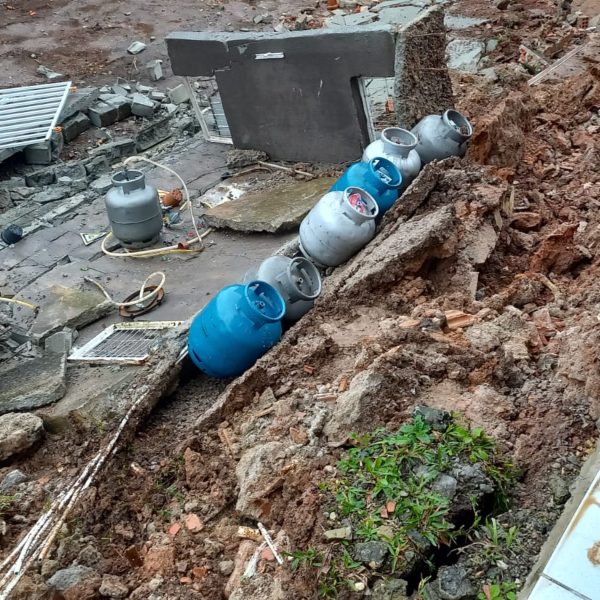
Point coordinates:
[[442, 136], [338, 226], [398, 146], [296, 279], [380, 177], [134, 211], [236, 328]]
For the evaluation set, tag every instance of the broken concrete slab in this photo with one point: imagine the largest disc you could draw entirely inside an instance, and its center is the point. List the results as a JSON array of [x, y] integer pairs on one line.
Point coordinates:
[[405, 247], [34, 383], [400, 15], [102, 114], [464, 55], [326, 121], [93, 392], [422, 84], [63, 306], [142, 106], [115, 150], [78, 101], [153, 134], [18, 433], [275, 210]]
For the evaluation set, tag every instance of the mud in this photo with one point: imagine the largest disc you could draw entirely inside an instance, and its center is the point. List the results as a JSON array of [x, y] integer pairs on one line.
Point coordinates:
[[507, 236]]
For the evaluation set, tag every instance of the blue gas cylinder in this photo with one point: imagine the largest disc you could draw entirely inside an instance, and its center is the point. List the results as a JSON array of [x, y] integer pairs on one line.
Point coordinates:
[[380, 177], [236, 328]]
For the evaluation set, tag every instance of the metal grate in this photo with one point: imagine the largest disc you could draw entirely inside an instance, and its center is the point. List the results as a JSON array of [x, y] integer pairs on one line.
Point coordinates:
[[209, 110], [29, 114], [123, 343]]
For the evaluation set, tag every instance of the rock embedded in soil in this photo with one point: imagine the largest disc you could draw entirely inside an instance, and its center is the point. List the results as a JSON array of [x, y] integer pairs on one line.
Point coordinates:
[[160, 558], [245, 551], [257, 469], [226, 567], [451, 583], [341, 533], [438, 419], [390, 589], [113, 587], [12, 479], [353, 404], [75, 583], [559, 489], [445, 485], [18, 433], [371, 553]]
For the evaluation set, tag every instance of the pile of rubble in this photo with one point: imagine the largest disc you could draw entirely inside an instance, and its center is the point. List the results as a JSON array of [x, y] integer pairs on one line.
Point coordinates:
[[119, 121], [473, 298]]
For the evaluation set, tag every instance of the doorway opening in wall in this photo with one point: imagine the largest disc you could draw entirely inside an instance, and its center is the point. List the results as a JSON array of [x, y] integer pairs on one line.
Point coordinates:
[[377, 95], [207, 105]]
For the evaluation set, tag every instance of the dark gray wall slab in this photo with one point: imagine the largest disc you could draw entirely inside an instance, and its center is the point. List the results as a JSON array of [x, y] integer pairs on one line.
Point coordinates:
[[303, 107]]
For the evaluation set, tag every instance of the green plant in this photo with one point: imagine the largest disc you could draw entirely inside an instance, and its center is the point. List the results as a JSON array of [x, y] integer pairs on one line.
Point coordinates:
[[506, 590], [6, 502], [384, 489], [496, 541], [309, 558]]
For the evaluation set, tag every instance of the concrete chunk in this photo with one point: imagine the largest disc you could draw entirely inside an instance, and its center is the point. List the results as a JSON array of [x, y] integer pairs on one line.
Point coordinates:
[[142, 106], [154, 69], [62, 306], [52, 193], [79, 101], [179, 94], [18, 433], [75, 126], [102, 184], [39, 154], [59, 342], [121, 103], [115, 150], [136, 47], [279, 209], [153, 134], [102, 114], [35, 383], [41, 177]]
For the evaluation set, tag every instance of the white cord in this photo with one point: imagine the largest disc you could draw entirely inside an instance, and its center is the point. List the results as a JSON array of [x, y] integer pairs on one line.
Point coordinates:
[[142, 298]]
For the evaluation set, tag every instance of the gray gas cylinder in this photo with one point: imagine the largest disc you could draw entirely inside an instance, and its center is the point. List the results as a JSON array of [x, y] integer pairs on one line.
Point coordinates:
[[442, 136], [134, 211], [296, 279], [398, 146], [335, 229]]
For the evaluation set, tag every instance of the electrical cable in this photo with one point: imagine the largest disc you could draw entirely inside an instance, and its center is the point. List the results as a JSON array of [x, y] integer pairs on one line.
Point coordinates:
[[139, 300]]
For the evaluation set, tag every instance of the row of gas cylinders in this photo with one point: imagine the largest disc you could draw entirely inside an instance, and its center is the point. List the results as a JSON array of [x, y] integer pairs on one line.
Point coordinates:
[[244, 321]]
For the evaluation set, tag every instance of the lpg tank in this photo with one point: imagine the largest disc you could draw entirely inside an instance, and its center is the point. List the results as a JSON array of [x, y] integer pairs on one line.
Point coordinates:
[[134, 211]]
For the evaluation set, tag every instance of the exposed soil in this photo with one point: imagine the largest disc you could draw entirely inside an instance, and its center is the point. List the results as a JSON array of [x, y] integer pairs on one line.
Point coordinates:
[[519, 358], [88, 41]]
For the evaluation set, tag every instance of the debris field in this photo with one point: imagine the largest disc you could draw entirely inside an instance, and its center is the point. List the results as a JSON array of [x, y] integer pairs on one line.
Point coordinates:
[[414, 436]]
